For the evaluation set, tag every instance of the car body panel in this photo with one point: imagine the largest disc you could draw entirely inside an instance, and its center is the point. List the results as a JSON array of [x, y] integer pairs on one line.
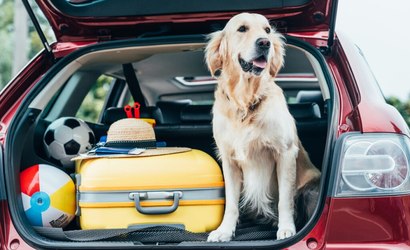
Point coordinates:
[[305, 16], [19, 84], [62, 49], [361, 223], [315, 239], [3, 199], [374, 219], [365, 94], [12, 95], [11, 240]]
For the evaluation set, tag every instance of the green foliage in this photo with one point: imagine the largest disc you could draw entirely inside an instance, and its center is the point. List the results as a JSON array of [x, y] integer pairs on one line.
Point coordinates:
[[5, 58], [35, 44], [7, 37], [92, 105], [402, 107], [6, 48], [6, 13]]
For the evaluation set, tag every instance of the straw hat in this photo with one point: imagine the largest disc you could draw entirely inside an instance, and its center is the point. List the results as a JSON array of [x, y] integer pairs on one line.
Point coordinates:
[[133, 133], [137, 133]]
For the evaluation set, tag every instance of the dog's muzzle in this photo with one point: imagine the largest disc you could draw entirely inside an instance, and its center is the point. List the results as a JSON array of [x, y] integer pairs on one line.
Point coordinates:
[[255, 66], [259, 62]]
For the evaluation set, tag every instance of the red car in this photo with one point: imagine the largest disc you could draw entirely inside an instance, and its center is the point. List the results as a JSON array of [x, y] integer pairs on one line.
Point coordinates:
[[105, 49]]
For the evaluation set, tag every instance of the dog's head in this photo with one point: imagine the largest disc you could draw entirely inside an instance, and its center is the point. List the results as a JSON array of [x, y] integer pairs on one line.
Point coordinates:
[[247, 42]]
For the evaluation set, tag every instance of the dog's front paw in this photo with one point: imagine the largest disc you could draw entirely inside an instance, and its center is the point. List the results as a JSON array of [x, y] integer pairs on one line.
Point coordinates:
[[285, 232], [220, 235]]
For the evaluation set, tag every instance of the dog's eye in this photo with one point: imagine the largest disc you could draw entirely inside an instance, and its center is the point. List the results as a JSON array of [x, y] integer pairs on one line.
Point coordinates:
[[243, 28], [267, 29]]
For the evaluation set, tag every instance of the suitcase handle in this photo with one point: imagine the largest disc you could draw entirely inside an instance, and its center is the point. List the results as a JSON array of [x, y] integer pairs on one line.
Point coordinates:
[[156, 195]]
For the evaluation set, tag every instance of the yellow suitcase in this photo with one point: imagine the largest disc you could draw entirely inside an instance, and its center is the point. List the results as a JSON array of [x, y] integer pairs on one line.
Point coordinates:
[[181, 188]]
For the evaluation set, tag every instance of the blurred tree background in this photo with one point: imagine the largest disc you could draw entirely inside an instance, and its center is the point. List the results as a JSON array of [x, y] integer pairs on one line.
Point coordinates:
[[92, 106], [10, 39], [27, 35], [402, 106], [19, 38], [6, 31]]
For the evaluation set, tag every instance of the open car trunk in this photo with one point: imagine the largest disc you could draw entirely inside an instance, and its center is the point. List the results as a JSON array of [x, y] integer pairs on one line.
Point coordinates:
[[174, 80]]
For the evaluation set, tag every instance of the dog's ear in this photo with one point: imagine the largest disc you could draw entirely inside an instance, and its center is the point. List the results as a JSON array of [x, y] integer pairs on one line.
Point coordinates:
[[215, 52], [277, 58]]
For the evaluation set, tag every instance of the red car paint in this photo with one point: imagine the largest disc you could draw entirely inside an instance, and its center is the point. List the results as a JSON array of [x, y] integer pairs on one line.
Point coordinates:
[[12, 95], [66, 28], [344, 223]]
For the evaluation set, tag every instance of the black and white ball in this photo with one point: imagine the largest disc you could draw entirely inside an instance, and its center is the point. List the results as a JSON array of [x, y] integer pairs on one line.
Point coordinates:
[[67, 137]]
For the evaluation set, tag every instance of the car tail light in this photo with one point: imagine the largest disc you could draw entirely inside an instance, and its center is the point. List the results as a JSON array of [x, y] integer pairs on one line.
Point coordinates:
[[372, 164]]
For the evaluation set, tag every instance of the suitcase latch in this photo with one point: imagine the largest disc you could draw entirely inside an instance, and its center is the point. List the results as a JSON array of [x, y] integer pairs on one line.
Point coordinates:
[[138, 196]]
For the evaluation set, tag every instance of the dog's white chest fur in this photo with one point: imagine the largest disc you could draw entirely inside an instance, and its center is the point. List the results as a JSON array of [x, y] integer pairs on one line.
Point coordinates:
[[254, 147], [271, 128]]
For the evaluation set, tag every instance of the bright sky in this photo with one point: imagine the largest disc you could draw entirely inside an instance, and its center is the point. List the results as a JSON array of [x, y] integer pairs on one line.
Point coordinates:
[[381, 30]]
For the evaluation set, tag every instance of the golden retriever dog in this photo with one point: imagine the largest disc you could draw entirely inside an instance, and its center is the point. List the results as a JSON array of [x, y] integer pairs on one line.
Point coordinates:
[[262, 158]]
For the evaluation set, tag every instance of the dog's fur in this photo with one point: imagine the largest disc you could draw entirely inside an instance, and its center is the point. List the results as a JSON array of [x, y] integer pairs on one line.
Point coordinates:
[[262, 157]]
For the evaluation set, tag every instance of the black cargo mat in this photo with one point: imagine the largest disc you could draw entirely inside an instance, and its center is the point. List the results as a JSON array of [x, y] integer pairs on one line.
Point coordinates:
[[153, 234]]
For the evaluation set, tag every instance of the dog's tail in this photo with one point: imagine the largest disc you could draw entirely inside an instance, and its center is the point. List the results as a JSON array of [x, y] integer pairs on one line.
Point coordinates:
[[306, 201]]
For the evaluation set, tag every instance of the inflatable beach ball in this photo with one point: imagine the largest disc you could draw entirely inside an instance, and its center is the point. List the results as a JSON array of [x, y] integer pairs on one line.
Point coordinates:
[[48, 196]]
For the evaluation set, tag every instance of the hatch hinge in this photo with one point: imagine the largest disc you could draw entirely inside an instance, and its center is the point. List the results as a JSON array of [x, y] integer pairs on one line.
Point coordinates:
[[325, 50], [39, 30]]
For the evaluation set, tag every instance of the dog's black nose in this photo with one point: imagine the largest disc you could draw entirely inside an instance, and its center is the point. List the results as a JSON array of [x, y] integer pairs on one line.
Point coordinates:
[[263, 43]]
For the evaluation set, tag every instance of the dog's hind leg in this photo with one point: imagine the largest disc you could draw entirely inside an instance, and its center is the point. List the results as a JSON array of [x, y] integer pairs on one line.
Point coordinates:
[[233, 177], [286, 173]]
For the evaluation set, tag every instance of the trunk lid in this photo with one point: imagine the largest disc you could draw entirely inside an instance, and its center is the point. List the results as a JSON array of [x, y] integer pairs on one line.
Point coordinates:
[[99, 20]]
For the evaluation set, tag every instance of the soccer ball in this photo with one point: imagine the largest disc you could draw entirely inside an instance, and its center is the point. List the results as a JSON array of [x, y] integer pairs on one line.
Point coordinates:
[[48, 196], [67, 137]]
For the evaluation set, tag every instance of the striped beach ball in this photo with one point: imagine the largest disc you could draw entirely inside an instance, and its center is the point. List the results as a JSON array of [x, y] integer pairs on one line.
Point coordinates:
[[48, 196]]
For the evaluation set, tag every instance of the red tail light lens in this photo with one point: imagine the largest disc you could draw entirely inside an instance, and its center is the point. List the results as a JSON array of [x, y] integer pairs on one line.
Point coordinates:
[[373, 164], [397, 174]]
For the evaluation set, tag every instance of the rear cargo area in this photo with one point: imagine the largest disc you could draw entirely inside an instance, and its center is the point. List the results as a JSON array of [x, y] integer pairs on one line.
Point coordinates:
[[171, 84]]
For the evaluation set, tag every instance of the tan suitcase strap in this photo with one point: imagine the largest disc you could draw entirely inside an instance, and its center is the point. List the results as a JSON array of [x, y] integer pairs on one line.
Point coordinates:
[[152, 201], [200, 194]]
